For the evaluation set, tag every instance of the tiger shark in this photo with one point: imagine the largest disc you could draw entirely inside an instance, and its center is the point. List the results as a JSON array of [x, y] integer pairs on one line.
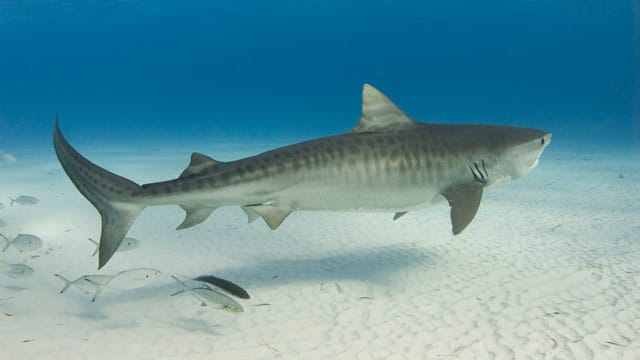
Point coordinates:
[[387, 162]]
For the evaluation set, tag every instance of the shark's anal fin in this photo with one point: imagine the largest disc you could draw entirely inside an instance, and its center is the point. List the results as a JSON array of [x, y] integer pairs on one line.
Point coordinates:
[[194, 216], [200, 163], [272, 215], [464, 201], [399, 214]]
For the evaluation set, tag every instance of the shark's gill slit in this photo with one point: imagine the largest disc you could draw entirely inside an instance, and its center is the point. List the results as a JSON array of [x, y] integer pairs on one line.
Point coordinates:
[[475, 176], [478, 170], [485, 168]]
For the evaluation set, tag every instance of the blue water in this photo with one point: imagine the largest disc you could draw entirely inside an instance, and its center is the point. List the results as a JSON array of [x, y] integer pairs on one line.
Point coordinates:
[[174, 73]]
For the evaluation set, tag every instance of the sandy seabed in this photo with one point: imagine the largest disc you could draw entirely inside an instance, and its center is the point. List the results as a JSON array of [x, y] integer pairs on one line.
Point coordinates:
[[549, 268]]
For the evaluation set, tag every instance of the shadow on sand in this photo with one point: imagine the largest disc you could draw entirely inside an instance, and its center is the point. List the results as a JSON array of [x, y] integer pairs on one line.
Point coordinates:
[[376, 264]]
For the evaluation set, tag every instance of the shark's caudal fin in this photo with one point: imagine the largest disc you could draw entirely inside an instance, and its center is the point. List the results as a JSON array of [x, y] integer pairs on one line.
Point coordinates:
[[108, 192]]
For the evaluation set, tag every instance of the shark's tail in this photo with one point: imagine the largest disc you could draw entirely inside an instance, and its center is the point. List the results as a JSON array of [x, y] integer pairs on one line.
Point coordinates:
[[112, 195]]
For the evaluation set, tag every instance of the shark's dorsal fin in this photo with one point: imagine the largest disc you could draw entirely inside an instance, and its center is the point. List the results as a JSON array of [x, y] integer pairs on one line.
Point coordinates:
[[379, 113], [199, 164], [464, 201]]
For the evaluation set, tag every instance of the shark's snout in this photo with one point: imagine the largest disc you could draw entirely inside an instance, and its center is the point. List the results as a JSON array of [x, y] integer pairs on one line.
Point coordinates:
[[544, 141]]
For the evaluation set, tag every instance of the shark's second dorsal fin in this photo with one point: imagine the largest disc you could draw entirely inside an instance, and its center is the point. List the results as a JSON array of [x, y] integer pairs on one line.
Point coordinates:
[[199, 163], [379, 113]]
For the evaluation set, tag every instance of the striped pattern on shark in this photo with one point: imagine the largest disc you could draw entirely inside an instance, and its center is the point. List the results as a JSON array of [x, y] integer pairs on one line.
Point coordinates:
[[387, 162]]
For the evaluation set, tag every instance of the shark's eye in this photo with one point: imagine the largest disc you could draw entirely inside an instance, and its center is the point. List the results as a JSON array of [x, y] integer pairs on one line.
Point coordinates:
[[542, 141]]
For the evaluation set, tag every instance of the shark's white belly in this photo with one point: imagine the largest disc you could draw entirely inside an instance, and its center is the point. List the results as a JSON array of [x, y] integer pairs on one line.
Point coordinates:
[[312, 197]]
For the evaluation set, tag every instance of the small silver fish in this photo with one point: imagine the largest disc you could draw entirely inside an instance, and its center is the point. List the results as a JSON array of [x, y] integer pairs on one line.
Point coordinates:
[[127, 244], [127, 280], [210, 297], [82, 283], [15, 271], [23, 242], [24, 200], [224, 285]]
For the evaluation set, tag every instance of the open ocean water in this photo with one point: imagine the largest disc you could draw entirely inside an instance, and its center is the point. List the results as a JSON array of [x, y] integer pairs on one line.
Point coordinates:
[[549, 267], [168, 72]]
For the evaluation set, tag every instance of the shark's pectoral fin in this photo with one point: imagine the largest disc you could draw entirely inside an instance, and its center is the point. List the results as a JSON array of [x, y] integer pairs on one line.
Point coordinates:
[[199, 163], [272, 215], [399, 214], [464, 201], [194, 216]]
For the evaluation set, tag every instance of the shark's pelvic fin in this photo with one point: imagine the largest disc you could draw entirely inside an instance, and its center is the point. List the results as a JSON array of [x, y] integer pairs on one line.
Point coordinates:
[[199, 164], [379, 113], [252, 215], [194, 216], [464, 201], [272, 215], [108, 192]]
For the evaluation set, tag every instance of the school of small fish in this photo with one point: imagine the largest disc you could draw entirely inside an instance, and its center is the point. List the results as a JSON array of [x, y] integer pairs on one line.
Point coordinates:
[[83, 283], [127, 244], [23, 242], [15, 271], [124, 280], [209, 290], [24, 200], [209, 296]]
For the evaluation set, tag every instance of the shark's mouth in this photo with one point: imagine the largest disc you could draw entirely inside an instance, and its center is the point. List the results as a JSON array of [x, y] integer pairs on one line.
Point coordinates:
[[535, 163]]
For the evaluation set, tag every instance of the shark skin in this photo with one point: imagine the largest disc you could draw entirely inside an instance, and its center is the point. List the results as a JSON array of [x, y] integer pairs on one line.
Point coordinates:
[[388, 162]]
